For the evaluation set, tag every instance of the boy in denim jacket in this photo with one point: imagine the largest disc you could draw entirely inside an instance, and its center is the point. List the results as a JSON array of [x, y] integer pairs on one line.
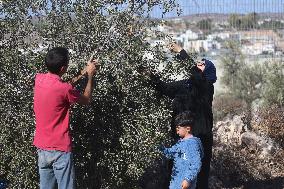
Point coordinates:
[[186, 153]]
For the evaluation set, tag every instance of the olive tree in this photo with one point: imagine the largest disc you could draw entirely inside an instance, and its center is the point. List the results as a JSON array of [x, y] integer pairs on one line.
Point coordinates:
[[243, 80], [116, 136], [273, 91]]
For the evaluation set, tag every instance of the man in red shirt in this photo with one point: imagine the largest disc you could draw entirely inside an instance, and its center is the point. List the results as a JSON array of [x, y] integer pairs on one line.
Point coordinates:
[[52, 101]]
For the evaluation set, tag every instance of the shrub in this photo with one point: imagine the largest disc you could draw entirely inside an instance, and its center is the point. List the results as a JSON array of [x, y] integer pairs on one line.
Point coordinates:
[[227, 105], [273, 90], [238, 167], [270, 122]]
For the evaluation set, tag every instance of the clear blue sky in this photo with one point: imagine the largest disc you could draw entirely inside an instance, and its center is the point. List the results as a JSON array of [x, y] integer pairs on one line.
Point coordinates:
[[226, 6]]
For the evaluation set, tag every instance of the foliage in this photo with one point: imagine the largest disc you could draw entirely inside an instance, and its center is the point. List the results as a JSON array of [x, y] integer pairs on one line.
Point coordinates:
[[274, 24], [232, 63], [243, 80], [246, 22], [250, 81], [273, 90], [270, 122], [205, 24], [227, 105], [234, 20], [116, 136]]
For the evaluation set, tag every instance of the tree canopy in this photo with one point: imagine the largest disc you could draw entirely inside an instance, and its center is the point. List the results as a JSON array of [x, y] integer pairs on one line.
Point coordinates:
[[115, 138], [245, 22]]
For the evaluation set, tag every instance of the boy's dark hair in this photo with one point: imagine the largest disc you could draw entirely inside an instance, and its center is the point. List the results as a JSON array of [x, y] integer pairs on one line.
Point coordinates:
[[184, 119], [56, 58]]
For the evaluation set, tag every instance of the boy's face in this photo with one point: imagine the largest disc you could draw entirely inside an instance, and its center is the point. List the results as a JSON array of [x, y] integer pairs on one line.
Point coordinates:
[[67, 64], [183, 131], [63, 69]]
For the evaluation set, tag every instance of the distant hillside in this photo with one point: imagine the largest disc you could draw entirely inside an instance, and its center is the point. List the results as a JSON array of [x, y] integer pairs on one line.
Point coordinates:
[[218, 17]]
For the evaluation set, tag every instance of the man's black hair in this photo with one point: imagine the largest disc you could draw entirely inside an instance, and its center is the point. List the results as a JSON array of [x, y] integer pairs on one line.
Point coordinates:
[[56, 58], [184, 119]]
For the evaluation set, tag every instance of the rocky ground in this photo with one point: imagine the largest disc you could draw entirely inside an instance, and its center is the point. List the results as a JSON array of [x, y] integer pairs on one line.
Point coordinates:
[[245, 159]]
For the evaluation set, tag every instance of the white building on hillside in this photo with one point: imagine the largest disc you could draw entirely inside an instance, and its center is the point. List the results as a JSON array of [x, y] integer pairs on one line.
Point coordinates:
[[258, 48], [202, 45], [185, 38]]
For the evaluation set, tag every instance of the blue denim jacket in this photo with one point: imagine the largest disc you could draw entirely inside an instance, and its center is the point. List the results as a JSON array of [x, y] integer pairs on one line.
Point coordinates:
[[187, 155], [3, 184]]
